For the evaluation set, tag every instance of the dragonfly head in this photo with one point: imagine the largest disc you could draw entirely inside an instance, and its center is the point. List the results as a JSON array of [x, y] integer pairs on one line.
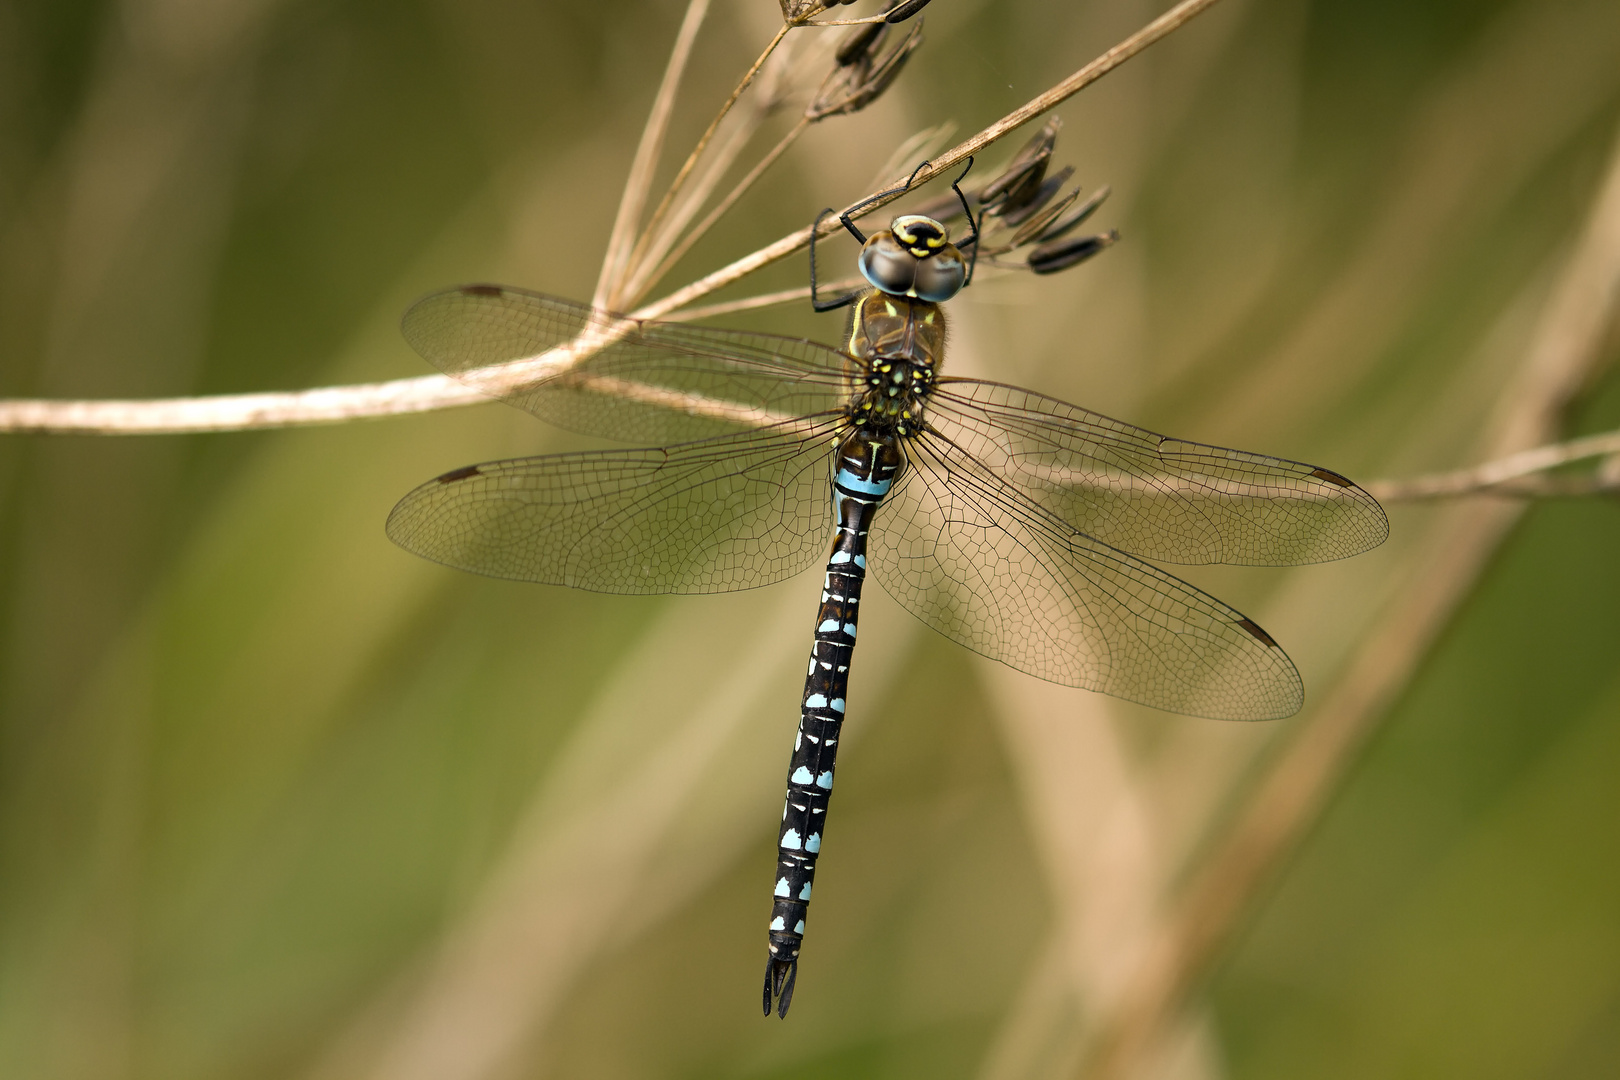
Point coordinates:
[[914, 257]]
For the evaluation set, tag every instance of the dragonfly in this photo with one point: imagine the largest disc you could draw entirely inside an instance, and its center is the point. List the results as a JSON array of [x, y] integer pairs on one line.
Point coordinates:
[[1022, 527]]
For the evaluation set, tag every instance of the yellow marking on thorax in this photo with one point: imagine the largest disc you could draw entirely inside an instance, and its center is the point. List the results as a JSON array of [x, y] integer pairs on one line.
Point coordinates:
[[856, 325]]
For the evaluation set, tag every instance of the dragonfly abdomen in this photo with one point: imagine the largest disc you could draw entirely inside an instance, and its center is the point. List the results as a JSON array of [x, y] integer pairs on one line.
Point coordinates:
[[867, 468]]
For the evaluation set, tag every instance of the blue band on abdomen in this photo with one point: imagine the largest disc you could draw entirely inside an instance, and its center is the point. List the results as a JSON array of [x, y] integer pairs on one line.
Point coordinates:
[[847, 479]]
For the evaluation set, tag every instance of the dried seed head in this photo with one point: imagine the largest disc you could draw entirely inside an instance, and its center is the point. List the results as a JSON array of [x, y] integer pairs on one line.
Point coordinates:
[[1062, 254], [1034, 224], [797, 11], [1033, 202], [1074, 218], [903, 10], [1022, 178], [861, 44], [864, 76]]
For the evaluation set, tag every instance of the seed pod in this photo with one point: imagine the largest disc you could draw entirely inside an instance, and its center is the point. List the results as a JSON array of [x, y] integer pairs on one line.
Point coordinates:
[[795, 12], [1035, 225], [1036, 200], [1050, 258], [899, 13], [1021, 180], [858, 84], [1075, 217], [861, 44]]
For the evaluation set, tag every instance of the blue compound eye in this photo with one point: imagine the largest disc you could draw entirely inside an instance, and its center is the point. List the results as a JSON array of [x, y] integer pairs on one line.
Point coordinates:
[[940, 276], [887, 264]]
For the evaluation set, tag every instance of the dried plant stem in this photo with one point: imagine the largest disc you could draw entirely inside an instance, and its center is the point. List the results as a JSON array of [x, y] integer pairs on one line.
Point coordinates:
[[334, 404], [686, 208], [644, 283], [751, 303], [654, 246], [691, 161], [639, 182], [238, 412], [1547, 487], [1512, 475], [1567, 344], [847, 22]]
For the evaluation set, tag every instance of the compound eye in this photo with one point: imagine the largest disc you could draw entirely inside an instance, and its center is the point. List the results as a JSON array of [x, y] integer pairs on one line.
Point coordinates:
[[887, 264], [940, 276]]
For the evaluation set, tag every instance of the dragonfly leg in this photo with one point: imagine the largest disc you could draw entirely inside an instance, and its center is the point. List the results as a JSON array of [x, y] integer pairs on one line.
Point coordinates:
[[847, 216], [816, 302], [973, 260]]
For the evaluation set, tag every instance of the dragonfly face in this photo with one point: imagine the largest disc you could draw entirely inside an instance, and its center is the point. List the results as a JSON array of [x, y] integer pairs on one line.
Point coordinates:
[[914, 257]]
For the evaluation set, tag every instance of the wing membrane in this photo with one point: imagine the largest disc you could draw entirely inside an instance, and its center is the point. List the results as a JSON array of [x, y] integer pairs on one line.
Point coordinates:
[[645, 381], [711, 516], [989, 568], [1157, 497]]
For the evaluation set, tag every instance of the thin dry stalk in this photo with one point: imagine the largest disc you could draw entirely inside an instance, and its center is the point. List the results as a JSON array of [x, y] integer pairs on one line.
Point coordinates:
[[642, 284], [238, 412], [660, 236], [691, 161], [1550, 487], [1566, 347], [1515, 475], [335, 404], [847, 22], [639, 182], [763, 300]]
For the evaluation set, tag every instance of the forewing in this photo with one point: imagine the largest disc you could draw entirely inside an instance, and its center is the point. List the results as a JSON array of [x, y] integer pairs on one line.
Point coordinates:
[[712, 516], [988, 568], [1154, 496], [604, 374]]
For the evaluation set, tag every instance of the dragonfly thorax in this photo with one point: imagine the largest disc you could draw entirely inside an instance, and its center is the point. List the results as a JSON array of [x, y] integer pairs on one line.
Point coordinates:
[[893, 395], [899, 343]]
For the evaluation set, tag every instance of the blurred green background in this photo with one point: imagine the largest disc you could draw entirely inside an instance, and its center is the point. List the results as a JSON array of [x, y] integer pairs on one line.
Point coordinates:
[[279, 800]]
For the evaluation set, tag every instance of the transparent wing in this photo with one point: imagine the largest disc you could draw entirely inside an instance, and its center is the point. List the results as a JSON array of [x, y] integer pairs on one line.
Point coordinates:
[[1157, 497], [647, 381], [712, 516], [987, 567]]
